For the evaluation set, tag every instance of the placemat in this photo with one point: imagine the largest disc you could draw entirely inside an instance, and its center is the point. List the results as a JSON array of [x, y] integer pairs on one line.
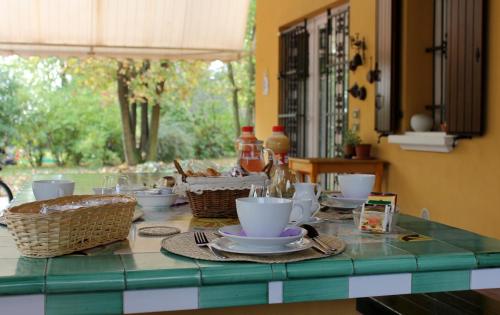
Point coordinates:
[[183, 244]]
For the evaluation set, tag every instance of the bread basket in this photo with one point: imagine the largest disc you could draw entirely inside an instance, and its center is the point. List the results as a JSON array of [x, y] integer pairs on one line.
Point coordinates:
[[98, 220]]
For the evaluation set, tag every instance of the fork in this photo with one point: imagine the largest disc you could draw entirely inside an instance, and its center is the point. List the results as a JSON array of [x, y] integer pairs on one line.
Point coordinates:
[[202, 241]]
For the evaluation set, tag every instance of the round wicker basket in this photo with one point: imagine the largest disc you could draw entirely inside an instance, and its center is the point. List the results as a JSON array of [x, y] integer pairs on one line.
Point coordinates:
[[62, 232], [216, 203]]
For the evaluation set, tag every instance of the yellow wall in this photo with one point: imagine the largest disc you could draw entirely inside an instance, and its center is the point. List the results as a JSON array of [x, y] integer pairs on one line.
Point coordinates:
[[461, 188]]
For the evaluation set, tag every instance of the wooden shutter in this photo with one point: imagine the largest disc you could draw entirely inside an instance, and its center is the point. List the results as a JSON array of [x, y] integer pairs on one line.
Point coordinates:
[[387, 99], [294, 70], [464, 67]]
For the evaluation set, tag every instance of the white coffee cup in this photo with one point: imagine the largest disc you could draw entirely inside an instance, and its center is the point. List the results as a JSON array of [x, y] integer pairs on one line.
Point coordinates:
[[356, 185], [263, 216], [52, 188], [303, 210]]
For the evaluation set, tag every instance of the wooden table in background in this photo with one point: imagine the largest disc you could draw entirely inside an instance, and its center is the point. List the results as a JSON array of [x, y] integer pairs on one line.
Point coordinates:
[[315, 166]]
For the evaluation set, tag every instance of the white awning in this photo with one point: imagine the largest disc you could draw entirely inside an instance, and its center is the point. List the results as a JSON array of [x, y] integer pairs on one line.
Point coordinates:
[[170, 29]]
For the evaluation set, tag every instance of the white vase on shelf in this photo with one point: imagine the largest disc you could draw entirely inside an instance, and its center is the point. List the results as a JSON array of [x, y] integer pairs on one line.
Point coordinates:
[[421, 122]]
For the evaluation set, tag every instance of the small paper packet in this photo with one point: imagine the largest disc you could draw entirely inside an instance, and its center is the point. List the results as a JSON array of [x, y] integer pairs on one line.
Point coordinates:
[[375, 218]]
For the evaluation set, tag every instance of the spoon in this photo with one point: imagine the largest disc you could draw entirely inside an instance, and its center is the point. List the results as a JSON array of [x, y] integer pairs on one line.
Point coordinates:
[[313, 234]]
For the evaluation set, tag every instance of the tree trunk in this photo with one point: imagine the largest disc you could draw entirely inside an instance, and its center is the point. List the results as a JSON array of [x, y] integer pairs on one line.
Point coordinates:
[[133, 118], [129, 148], [153, 135], [39, 158], [236, 104], [144, 129], [154, 125]]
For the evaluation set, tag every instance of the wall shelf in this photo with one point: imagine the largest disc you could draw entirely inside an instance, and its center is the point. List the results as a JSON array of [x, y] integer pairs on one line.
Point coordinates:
[[424, 141]]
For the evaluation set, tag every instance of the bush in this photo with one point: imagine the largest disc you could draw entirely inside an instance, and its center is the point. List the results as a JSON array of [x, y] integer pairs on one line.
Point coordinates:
[[174, 142], [212, 141]]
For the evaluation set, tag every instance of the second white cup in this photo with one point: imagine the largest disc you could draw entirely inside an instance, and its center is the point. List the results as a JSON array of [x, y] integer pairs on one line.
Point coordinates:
[[263, 216]]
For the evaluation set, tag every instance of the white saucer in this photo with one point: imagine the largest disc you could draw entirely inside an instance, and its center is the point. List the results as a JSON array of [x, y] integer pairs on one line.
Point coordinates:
[[226, 245], [337, 201], [311, 220], [232, 232]]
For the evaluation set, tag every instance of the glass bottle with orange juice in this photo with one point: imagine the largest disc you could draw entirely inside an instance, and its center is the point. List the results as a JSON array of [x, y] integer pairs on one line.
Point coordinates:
[[283, 178], [250, 150], [279, 143]]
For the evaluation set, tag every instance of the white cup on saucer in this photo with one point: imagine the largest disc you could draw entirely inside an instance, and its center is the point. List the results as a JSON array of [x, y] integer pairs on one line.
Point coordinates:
[[52, 188], [356, 186], [263, 216]]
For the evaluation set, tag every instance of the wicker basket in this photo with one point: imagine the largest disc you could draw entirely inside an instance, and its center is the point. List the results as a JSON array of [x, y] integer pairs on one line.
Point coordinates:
[[62, 232], [215, 196], [215, 204]]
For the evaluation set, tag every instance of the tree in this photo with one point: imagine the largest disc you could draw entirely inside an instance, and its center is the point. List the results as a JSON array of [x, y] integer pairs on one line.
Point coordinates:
[[236, 104], [55, 114], [249, 62], [140, 87], [9, 111]]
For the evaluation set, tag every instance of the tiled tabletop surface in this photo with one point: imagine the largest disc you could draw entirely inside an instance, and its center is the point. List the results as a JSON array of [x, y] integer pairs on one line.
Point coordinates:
[[136, 276]]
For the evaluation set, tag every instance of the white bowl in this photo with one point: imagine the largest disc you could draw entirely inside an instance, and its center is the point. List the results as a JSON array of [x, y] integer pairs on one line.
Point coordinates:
[[356, 186], [234, 233], [155, 201]]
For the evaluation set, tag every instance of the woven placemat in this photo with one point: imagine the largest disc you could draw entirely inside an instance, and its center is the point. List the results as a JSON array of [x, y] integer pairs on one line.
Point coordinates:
[[158, 230], [183, 244]]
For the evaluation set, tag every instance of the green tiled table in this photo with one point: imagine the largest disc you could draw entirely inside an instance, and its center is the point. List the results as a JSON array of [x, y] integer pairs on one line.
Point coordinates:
[[135, 276]]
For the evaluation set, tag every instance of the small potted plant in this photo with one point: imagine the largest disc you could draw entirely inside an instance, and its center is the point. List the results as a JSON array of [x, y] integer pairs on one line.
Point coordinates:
[[363, 151], [351, 140]]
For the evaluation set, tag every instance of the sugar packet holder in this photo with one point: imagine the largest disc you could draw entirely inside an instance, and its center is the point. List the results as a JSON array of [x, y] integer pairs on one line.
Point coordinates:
[[376, 216]]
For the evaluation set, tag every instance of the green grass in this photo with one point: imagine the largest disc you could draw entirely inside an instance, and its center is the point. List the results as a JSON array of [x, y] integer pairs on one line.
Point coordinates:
[[16, 176]]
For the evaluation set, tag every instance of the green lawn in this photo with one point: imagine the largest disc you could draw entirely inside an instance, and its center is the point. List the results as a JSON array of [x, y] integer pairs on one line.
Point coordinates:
[[17, 176]]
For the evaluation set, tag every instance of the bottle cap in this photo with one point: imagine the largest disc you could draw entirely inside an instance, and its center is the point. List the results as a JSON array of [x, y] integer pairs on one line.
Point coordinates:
[[247, 128], [278, 128]]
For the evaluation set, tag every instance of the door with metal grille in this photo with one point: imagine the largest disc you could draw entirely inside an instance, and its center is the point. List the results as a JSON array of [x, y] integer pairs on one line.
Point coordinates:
[[334, 81], [333, 53], [294, 54]]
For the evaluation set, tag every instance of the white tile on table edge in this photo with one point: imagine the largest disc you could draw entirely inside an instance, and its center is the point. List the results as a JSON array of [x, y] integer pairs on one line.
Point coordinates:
[[379, 285], [33, 304], [488, 278], [275, 292], [157, 300]]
